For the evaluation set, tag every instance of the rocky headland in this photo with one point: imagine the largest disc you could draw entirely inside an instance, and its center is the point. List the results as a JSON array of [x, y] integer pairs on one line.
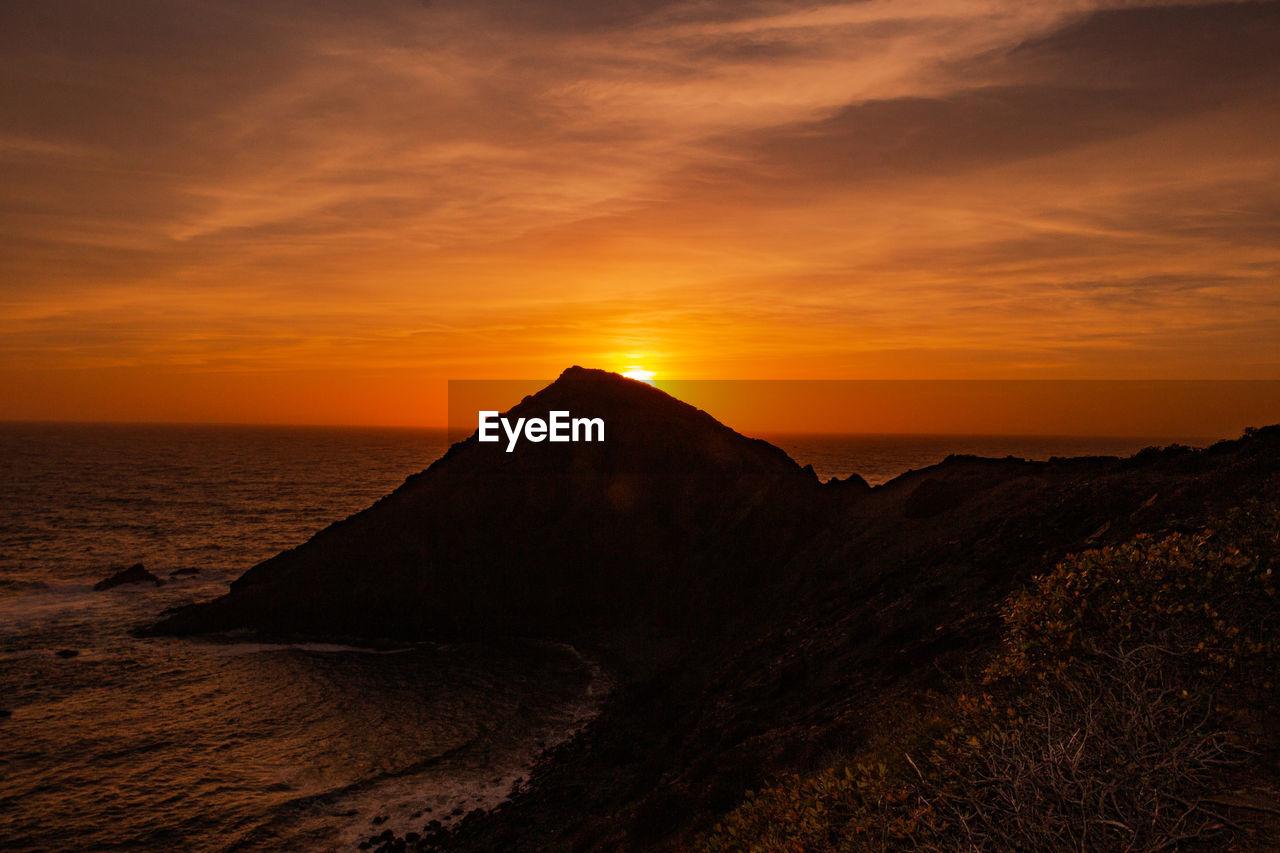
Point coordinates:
[[759, 622]]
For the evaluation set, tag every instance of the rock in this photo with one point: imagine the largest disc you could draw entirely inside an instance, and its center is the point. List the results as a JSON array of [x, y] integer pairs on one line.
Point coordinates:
[[134, 574], [180, 573], [854, 482], [67, 653]]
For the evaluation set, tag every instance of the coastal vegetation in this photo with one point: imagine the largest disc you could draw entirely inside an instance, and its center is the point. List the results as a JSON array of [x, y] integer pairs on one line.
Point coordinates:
[[1131, 705]]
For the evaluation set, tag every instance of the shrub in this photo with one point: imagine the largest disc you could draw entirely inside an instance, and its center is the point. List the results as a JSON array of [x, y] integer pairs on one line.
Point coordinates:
[[1111, 754], [1109, 712], [1207, 598]]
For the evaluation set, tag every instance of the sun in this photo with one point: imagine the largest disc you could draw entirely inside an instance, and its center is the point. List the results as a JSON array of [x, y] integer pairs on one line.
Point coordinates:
[[639, 373]]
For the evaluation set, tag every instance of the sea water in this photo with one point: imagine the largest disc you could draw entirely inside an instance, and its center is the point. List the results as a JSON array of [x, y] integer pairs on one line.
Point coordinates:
[[116, 743]]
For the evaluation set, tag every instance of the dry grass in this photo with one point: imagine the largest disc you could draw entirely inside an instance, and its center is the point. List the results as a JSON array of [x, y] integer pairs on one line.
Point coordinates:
[[1110, 720]]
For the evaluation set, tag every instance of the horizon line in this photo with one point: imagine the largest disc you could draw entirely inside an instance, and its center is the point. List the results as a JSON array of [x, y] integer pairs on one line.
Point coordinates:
[[1169, 437]]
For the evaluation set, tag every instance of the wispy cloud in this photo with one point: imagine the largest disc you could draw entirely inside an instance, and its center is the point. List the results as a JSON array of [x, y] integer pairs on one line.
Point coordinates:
[[987, 187]]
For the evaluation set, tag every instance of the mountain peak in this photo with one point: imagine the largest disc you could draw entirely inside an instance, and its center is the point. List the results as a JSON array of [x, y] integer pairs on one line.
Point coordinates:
[[577, 371], [543, 538], [594, 377]]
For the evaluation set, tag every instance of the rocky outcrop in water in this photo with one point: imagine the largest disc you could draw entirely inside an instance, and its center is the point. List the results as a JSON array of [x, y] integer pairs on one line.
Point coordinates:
[[134, 574]]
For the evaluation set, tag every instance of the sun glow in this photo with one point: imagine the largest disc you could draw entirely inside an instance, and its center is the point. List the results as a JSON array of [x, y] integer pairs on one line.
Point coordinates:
[[639, 373]]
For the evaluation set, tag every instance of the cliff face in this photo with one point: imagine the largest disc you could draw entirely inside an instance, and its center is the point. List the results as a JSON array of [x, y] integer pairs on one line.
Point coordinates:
[[559, 540]]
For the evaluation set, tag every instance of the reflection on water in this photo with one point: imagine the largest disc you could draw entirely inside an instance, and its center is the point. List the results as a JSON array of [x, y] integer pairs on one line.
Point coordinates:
[[164, 744], [142, 745]]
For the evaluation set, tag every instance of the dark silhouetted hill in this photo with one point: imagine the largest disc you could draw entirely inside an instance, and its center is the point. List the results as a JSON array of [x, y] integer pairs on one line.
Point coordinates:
[[761, 621], [630, 536]]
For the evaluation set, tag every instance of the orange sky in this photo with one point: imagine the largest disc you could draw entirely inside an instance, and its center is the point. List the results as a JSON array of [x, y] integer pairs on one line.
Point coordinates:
[[320, 211]]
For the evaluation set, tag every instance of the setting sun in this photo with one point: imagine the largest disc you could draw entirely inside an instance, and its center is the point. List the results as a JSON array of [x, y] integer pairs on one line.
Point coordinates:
[[841, 191]]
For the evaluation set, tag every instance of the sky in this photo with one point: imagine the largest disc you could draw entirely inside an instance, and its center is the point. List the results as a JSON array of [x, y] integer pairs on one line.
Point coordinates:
[[314, 211]]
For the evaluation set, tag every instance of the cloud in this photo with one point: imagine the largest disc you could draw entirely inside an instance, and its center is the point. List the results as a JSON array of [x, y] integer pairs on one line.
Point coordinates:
[[840, 181]]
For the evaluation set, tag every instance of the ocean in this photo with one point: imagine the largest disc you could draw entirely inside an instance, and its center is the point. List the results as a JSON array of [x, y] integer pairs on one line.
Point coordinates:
[[109, 742]]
